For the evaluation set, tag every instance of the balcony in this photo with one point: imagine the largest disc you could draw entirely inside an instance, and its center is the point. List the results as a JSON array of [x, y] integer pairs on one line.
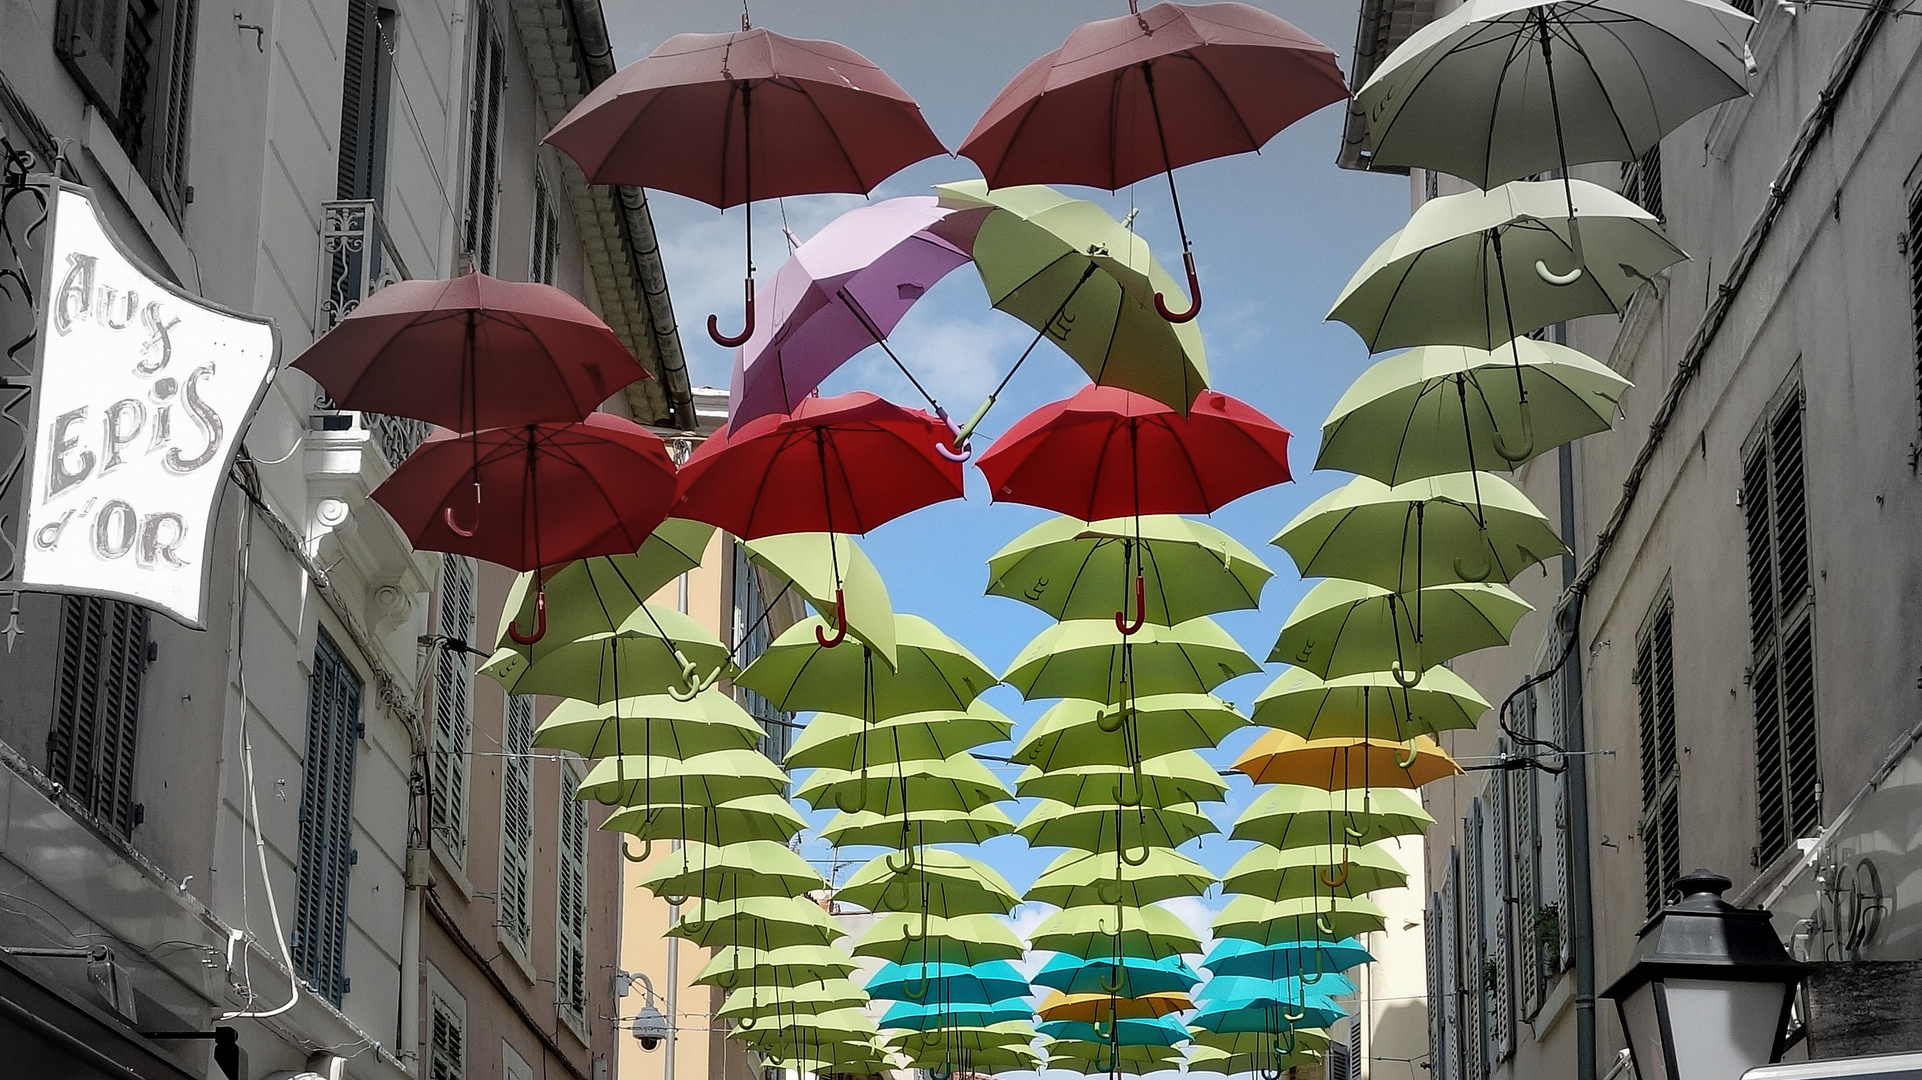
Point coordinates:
[[358, 257]]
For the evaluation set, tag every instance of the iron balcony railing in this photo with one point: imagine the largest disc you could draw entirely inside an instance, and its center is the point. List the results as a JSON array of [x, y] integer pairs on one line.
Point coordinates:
[[357, 258]]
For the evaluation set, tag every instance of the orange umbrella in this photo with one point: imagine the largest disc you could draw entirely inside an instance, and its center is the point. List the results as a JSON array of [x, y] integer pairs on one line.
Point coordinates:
[[1102, 1008], [1283, 757]]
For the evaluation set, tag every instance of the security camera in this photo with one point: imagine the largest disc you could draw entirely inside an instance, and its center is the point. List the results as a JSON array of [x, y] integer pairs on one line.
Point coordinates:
[[650, 1027]]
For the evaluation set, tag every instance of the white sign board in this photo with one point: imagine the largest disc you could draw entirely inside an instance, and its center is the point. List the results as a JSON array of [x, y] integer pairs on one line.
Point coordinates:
[[141, 396]]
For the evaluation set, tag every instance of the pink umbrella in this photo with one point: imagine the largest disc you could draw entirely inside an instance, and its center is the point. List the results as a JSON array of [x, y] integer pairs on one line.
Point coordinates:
[[842, 291]]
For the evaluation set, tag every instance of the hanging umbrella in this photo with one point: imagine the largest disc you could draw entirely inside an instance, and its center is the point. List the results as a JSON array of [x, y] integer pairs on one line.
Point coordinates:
[[837, 578], [818, 1031], [864, 828], [933, 672], [791, 965], [843, 290], [912, 1016], [1110, 930], [1443, 408], [1308, 959], [598, 594], [1149, 92], [938, 882], [1081, 732], [1097, 660], [1292, 1045], [470, 353], [835, 741], [1256, 918], [957, 783], [716, 777], [1343, 627], [1180, 777], [1085, 281], [1094, 826], [1369, 705], [1128, 975], [561, 492], [1083, 878], [1096, 1058], [1283, 757], [767, 921], [757, 817], [1243, 989], [922, 938], [656, 723], [1204, 1058], [1159, 1032], [971, 1039], [1344, 870], [1098, 1008], [749, 115], [736, 868], [1296, 815], [806, 999], [1266, 1016], [653, 650], [988, 1059], [996, 980], [1108, 453], [1078, 570]]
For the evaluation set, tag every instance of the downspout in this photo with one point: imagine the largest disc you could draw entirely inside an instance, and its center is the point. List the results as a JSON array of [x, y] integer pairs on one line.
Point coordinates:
[[673, 998], [1581, 897]]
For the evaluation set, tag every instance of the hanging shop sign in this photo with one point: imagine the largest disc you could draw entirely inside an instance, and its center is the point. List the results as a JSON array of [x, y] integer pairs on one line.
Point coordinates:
[[141, 393]]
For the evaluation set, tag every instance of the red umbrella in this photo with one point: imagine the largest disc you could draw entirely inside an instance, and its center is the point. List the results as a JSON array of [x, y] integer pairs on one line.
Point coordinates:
[[472, 352], [696, 115], [1109, 453], [1126, 98]]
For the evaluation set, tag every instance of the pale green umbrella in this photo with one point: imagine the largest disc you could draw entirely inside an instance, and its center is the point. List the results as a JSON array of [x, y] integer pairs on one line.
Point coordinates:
[[598, 594], [1080, 878], [1180, 777], [1303, 1041], [920, 938], [1371, 705], [1093, 659], [1014, 1035], [769, 922], [957, 783], [1345, 627], [1258, 919], [1439, 529], [1449, 408], [655, 650], [1080, 732], [736, 868], [717, 777], [840, 581], [932, 672], [1014, 1057], [1253, 1051], [1086, 570], [1295, 815], [791, 965], [1110, 826], [806, 999], [819, 1031], [834, 741], [1153, 933], [864, 828], [1086, 281], [757, 817], [653, 724], [938, 882], [1317, 870]]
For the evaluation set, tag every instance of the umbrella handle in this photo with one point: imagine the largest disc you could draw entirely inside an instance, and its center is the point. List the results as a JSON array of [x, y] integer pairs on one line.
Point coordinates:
[[963, 447], [1474, 573], [907, 929], [1145, 852], [1293, 1013], [673, 901], [1542, 271], [827, 641], [1336, 882], [1353, 833], [447, 516], [647, 850], [1322, 924], [1306, 979], [849, 799], [724, 340], [916, 995], [1119, 717], [1109, 895], [943, 1072], [1115, 986], [1414, 751], [1269, 1074], [1402, 676], [1121, 623], [1135, 801], [540, 622], [746, 1023], [906, 864], [1522, 453], [691, 685], [1194, 290]]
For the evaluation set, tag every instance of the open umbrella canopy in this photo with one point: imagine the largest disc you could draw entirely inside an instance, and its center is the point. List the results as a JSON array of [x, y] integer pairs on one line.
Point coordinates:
[[1015, 1057], [1096, 1058], [1204, 1058], [1259, 919], [1316, 870], [1094, 826], [1130, 975], [715, 777], [756, 817], [1095, 660], [736, 868], [1082, 732], [932, 880], [805, 999], [1438, 409], [656, 724], [865, 828], [598, 594], [1296, 815], [735, 966], [1283, 757], [769, 922], [834, 575], [1082, 878], [1343, 627], [1267, 1017], [1248, 989], [974, 1038], [1142, 1032], [642, 657], [914, 1016], [957, 783], [1085, 570], [932, 672], [1181, 777], [1306, 959], [996, 980], [1293, 1045], [809, 1031], [831, 740], [1110, 930], [1099, 1008], [1369, 705], [931, 939]]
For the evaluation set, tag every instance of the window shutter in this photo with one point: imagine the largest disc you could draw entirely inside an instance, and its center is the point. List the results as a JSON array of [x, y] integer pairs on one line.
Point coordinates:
[[1781, 626], [363, 104], [1661, 798], [92, 741], [483, 140], [1453, 1044], [1642, 181], [90, 38], [1475, 945], [1527, 864], [517, 822], [1555, 892], [453, 709], [1915, 305], [1355, 1060], [174, 110], [446, 1041], [327, 821], [1437, 1025], [1503, 1005], [547, 234], [571, 937]]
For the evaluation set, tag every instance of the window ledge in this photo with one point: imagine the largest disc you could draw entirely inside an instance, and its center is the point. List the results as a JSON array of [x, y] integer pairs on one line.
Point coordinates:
[[514, 951], [455, 875], [1560, 996], [126, 182]]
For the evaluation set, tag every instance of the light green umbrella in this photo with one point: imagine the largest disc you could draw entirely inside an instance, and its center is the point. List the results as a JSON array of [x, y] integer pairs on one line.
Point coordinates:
[[717, 777], [655, 650], [1015, 1035], [1371, 705], [929, 879], [957, 783], [1449, 408], [864, 828], [1462, 271], [1080, 878], [1014, 1057], [1088, 658], [757, 817], [654, 724], [1295, 815], [736, 868], [834, 741], [921, 938], [806, 999], [932, 671], [1086, 570], [1085, 280], [1258, 919], [1303, 1041], [1152, 933], [1180, 777], [838, 581], [598, 594], [769, 922], [1350, 627], [792, 965], [1242, 1052], [1440, 529], [1316, 870], [798, 1034], [1081, 732], [1110, 826]]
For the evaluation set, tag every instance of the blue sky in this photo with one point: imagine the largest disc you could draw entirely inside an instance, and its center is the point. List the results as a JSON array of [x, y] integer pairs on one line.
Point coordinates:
[[1276, 235]]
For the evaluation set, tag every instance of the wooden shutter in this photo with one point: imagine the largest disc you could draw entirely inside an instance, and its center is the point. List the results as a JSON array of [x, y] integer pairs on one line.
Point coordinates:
[[1474, 945], [173, 108], [363, 105], [92, 741], [1527, 873], [1453, 1043], [1781, 629], [517, 822], [1642, 181], [1661, 801], [1355, 1059], [1555, 883], [1502, 1007], [89, 36], [483, 140], [327, 822], [546, 249], [1437, 996], [453, 709], [446, 1040], [1914, 245], [571, 936]]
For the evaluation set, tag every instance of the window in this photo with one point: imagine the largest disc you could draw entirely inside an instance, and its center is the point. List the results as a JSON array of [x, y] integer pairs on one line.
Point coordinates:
[[484, 106], [546, 248], [1437, 1023], [1913, 242], [571, 937], [1661, 769], [752, 636], [1454, 1046], [1781, 628], [1642, 181], [517, 823], [1474, 945], [453, 709], [135, 59], [1537, 880], [363, 104], [446, 1030], [96, 717], [513, 1065], [327, 821]]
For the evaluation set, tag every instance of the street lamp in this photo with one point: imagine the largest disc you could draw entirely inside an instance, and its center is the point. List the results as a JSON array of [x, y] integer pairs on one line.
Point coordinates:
[[1716, 976]]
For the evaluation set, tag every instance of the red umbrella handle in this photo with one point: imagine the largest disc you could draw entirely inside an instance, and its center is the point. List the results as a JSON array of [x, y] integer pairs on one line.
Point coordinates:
[[725, 341], [1194, 290], [540, 622], [840, 623], [1121, 623]]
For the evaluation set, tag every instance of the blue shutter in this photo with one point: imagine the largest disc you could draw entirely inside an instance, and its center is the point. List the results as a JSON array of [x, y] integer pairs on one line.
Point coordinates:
[[327, 822]]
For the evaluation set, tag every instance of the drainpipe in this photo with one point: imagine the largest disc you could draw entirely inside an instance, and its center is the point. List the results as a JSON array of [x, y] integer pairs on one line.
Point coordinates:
[[1580, 894], [407, 1040]]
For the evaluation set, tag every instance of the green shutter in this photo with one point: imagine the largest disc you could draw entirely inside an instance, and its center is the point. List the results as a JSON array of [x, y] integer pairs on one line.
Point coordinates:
[[327, 822], [92, 741], [517, 821], [453, 709]]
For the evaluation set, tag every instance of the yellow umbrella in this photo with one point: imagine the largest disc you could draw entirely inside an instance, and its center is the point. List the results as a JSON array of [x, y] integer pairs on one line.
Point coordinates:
[[1283, 757], [1101, 1008]]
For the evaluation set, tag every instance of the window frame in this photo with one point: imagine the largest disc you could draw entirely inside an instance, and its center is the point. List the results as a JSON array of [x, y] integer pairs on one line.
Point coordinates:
[[453, 736], [1661, 785], [443, 1001], [326, 854]]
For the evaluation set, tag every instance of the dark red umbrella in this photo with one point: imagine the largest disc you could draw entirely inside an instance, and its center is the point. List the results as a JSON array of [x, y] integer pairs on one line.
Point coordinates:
[[473, 352], [1109, 453], [731, 118], [1126, 98]]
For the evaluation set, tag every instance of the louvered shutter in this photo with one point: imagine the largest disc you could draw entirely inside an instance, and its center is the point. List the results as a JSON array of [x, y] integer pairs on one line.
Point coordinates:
[[1453, 1044], [1642, 181], [1915, 306], [326, 854], [1555, 887], [1527, 865], [1501, 863], [517, 822], [1355, 1059], [453, 709], [363, 105], [752, 636], [571, 977], [546, 249], [1661, 800], [174, 109], [1781, 626], [1437, 997], [90, 38], [446, 1041], [1474, 946], [92, 741], [483, 140]]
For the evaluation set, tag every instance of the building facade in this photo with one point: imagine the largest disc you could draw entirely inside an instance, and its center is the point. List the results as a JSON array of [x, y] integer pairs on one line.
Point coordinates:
[[352, 863]]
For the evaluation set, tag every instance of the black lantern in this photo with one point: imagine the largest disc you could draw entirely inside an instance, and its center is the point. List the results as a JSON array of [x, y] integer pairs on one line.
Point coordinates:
[[1709, 993]]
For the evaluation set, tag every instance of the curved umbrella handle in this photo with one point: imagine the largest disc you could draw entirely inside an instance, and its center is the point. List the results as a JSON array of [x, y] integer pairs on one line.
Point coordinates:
[[1121, 623], [1293, 1013], [674, 901], [1269, 1074], [1145, 852], [746, 1023], [455, 527], [827, 641], [1517, 455], [907, 929], [1337, 882], [943, 1071], [691, 685], [647, 850], [850, 797], [1308, 980], [1119, 717], [1119, 787], [1322, 924], [540, 622], [1108, 894], [1414, 751], [917, 994], [1194, 290], [733, 978], [1402, 676], [963, 447], [1542, 271], [906, 864], [1114, 987], [1480, 572], [724, 340]]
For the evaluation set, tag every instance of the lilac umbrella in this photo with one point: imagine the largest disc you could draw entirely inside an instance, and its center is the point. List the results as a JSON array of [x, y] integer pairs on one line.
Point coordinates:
[[842, 291]]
